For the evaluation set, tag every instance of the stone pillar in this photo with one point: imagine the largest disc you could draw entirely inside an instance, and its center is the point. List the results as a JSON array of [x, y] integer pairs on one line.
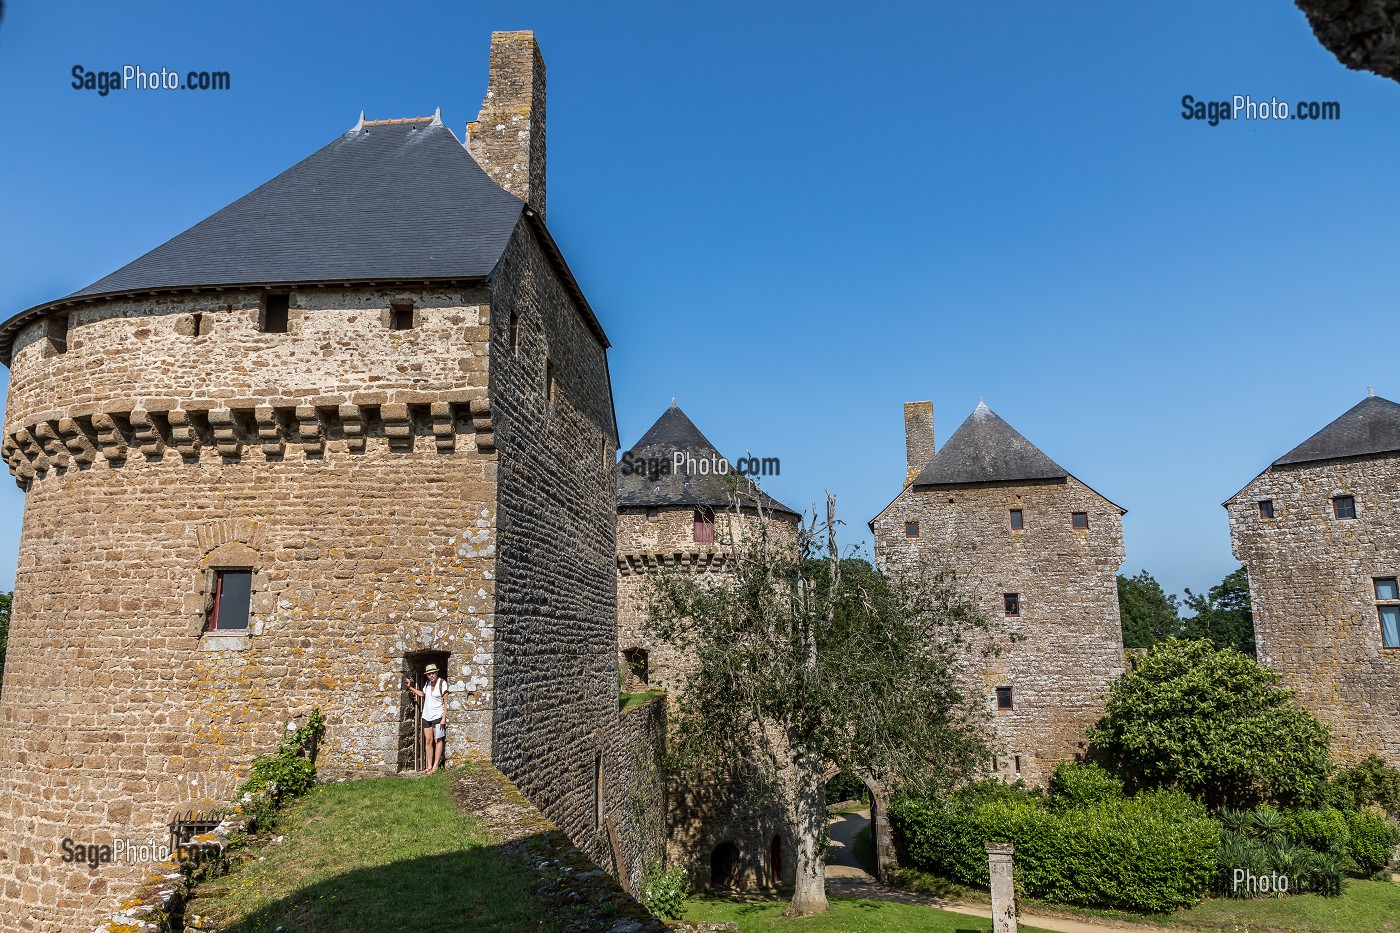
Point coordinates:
[[918, 437], [881, 834], [1003, 887]]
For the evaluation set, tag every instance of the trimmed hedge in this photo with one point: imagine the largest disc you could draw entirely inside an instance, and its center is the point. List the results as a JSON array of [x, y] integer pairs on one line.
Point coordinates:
[[1153, 852], [1372, 840]]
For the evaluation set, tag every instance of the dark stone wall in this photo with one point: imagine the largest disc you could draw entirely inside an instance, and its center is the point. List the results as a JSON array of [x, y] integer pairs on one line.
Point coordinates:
[[556, 628]]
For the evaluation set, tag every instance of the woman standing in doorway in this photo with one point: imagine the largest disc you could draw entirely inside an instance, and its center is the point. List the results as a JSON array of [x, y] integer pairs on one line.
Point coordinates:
[[434, 716]]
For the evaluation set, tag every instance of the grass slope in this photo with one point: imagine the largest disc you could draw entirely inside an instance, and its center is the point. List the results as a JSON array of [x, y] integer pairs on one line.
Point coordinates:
[[374, 855]]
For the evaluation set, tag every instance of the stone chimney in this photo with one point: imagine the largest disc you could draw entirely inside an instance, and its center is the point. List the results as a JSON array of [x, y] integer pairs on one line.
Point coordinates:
[[507, 139], [918, 437]]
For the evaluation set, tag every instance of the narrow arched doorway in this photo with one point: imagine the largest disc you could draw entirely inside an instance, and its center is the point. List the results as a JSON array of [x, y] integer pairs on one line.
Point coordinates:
[[775, 861], [724, 866]]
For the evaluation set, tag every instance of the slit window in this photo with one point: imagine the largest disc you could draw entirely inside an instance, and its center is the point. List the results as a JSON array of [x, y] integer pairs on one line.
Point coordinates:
[[1018, 764], [1079, 520], [1004, 698], [1266, 508], [705, 525], [514, 331], [274, 316], [1344, 506], [1017, 520], [1011, 602], [549, 381], [911, 529], [232, 592]]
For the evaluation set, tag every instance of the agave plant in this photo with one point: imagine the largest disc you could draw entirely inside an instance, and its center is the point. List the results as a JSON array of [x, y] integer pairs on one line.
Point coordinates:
[[1239, 822], [1269, 825]]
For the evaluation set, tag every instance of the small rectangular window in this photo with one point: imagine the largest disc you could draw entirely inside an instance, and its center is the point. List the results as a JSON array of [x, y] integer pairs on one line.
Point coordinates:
[[1012, 603], [401, 317], [1390, 626], [1386, 588], [1016, 519], [705, 525], [1004, 698], [1266, 508], [911, 529], [232, 592], [652, 514], [1344, 507], [1079, 520], [274, 315], [56, 329], [1018, 764]]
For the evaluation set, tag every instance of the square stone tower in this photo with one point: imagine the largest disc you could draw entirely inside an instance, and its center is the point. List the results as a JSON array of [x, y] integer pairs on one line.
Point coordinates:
[[1038, 551], [356, 421], [1319, 533]]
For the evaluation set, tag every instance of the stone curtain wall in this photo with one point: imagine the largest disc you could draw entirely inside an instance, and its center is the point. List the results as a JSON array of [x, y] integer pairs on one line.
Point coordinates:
[[370, 526], [1066, 580], [637, 799], [1310, 582], [556, 629]]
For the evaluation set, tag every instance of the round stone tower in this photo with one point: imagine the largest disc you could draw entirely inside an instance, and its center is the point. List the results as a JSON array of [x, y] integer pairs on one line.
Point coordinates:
[[357, 421], [676, 497]]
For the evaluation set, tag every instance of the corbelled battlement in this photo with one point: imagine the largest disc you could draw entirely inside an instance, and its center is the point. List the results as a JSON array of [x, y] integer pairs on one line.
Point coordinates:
[[273, 427]]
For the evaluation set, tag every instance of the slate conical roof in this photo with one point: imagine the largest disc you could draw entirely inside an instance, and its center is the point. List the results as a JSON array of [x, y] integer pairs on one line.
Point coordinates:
[[646, 477], [1370, 427], [388, 200], [985, 449]]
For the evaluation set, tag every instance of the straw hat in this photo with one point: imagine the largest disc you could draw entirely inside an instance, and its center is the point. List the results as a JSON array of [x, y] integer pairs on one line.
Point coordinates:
[[430, 669]]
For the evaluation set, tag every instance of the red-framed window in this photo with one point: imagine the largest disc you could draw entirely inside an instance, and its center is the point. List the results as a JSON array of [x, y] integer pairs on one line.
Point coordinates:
[[233, 590], [705, 525], [1266, 508], [911, 529], [1079, 520], [1344, 506], [1004, 700]]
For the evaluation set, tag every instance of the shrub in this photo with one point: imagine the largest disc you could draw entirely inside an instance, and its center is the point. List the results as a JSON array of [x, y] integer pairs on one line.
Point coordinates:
[[843, 787], [1322, 830], [1154, 852], [1215, 724], [291, 771], [1370, 781], [1372, 840], [1078, 785], [664, 891], [1307, 871]]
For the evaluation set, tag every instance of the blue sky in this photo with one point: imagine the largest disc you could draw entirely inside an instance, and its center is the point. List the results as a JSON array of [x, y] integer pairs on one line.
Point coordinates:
[[795, 217]]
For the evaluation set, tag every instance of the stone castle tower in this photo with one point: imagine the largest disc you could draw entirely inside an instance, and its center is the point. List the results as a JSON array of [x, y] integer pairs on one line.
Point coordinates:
[[358, 420], [1319, 533], [1039, 552], [675, 495]]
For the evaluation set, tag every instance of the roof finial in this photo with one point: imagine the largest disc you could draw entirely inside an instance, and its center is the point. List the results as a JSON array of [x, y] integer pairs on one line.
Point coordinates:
[[982, 404], [673, 401], [359, 124], [437, 117], [1370, 392]]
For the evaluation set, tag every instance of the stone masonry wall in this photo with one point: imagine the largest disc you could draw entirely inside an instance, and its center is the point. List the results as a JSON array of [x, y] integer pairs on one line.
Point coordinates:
[[556, 633], [1072, 642], [1311, 585], [352, 467]]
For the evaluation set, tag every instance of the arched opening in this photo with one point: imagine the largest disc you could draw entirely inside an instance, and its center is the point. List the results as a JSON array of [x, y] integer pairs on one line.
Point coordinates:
[[638, 664], [775, 861], [724, 866]]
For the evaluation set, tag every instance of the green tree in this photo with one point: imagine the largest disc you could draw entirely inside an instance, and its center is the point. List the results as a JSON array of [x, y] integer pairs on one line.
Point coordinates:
[[1223, 615], [804, 660], [5, 599], [1214, 723], [1149, 614]]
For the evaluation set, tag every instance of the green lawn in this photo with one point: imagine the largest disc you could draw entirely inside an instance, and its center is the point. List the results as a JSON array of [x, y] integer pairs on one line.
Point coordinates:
[[626, 701], [374, 855], [1363, 907], [853, 916]]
